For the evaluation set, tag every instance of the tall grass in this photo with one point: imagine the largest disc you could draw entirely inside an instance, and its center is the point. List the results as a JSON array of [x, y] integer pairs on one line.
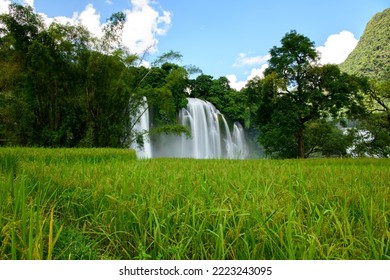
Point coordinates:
[[104, 204]]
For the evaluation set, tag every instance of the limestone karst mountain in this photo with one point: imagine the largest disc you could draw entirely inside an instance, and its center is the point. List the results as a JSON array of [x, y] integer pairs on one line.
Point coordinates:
[[371, 57]]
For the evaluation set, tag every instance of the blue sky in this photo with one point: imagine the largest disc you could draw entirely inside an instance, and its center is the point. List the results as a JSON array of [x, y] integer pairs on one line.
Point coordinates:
[[221, 37]]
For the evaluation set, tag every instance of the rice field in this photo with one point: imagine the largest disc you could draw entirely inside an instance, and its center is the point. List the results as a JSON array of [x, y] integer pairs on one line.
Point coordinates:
[[104, 204]]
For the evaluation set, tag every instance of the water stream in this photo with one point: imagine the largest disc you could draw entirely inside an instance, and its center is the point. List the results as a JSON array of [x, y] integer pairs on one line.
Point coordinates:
[[211, 136]]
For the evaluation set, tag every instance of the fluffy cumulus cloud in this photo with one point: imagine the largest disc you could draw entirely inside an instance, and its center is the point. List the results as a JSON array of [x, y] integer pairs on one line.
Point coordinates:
[[90, 19], [29, 2], [143, 25], [4, 6], [337, 48], [234, 82], [258, 64], [255, 72]]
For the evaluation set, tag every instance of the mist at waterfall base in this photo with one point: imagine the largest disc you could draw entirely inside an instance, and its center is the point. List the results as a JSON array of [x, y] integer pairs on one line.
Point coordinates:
[[142, 126], [211, 136]]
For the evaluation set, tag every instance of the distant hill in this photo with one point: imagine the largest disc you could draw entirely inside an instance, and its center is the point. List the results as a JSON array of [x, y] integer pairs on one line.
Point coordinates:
[[371, 57]]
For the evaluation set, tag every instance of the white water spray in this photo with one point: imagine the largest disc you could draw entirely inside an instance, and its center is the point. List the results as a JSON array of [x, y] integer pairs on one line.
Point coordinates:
[[210, 135], [142, 126]]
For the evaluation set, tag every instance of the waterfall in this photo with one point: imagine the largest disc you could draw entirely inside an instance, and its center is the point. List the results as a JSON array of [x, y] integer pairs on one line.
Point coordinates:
[[142, 126], [211, 136], [240, 147]]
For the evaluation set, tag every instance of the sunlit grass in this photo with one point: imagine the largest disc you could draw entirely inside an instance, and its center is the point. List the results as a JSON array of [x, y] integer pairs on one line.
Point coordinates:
[[104, 204]]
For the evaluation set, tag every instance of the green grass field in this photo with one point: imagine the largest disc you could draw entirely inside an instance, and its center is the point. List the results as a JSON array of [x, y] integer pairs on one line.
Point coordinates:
[[105, 204]]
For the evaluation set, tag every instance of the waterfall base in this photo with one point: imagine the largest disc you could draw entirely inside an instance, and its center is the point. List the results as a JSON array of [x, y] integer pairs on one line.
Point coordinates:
[[211, 136], [142, 127]]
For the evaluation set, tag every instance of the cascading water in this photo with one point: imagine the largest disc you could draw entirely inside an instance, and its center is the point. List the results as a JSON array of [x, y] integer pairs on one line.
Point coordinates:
[[142, 126], [240, 147], [210, 135]]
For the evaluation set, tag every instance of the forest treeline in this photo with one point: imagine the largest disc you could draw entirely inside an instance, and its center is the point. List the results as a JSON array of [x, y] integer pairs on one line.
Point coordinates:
[[62, 87]]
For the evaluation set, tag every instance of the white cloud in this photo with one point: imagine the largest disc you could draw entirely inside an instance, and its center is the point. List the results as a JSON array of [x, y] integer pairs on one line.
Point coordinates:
[[337, 47], [234, 83], [165, 20], [5, 3], [143, 25], [109, 2], [255, 72], [4, 6], [244, 60], [29, 2], [61, 19], [91, 20]]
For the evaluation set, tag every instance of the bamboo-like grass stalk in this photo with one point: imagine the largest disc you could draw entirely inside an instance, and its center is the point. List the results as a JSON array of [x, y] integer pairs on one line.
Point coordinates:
[[52, 241]]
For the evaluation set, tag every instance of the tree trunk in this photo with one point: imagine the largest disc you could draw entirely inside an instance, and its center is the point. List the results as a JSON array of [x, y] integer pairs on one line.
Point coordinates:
[[301, 143]]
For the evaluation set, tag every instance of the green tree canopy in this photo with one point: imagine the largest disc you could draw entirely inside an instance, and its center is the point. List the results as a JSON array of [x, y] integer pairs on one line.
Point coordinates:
[[60, 86], [372, 132], [296, 91]]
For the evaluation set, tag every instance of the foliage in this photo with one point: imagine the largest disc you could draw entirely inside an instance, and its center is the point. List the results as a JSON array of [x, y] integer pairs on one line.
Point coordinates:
[[165, 89], [228, 101], [371, 57], [102, 204], [372, 134], [326, 138], [171, 129], [295, 92], [61, 87], [112, 32]]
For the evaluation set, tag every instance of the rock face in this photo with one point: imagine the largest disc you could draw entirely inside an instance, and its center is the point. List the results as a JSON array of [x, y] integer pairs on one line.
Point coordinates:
[[371, 57]]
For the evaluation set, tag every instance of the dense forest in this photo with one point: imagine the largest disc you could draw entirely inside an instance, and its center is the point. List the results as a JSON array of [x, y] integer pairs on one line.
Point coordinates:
[[62, 87]]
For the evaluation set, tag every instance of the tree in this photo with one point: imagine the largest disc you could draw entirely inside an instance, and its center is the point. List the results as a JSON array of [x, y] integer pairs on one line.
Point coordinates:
[[296, 91], [325, 138], [252, 91], [18, 30], [201, 85], [165, 87], [372, 133], [22, 25], [57, 89], [112, 32], [230, 102]]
